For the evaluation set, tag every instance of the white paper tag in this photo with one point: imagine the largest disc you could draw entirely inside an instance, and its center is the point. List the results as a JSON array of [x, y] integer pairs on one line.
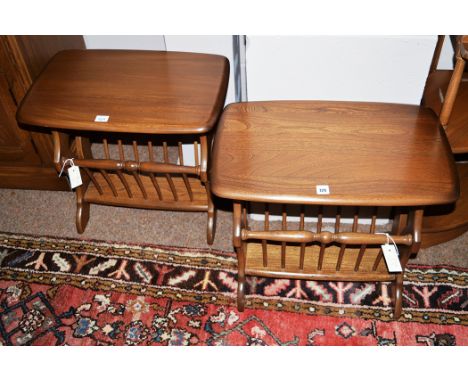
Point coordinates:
[[391, 258], [323, 189], [74, 176], [101, 118]]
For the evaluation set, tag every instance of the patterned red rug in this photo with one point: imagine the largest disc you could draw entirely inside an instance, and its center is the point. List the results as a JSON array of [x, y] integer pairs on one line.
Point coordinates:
[[70, 292]]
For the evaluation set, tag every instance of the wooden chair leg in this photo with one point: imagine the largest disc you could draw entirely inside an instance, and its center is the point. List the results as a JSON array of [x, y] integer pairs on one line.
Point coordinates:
[[398, 296], [241, 277], [82, 211], [211, 222], [211, 226], [241, 293]]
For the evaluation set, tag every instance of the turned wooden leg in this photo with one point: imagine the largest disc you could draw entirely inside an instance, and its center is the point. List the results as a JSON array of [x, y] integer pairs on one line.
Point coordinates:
[[241, 277], [412, 224], [63, 150], [398, 296], [82, 150], [82, 211], [241, 294], [241, 249], [211, 227], [211, 222]]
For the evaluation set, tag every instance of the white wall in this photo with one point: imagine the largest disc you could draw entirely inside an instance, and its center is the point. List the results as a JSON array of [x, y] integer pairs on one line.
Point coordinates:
[[352, 68], [206, 44], [125, 42], [372, 68], [199, 44], [446, 56]]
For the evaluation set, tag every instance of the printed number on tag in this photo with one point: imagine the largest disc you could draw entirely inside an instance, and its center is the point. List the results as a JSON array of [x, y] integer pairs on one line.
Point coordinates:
[[101, 118], [323, 189]]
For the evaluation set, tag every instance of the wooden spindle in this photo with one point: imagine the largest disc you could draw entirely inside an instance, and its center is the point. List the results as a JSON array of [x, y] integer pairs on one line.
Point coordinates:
[[319, 219], [150, 151], [106, 148], [436, 55], [301, 228], [93, 180], [141, 186], [326, 237], [151, 175], [362, 250], [125, 183], [284, 227], [319, 229], [156, 186], [184, 176], [267, 228], [377, 260], [121, 150], [340, 257], [356, 220], [109, 181], [135, 174], [343, 246], [195, 148], [135, 151], [145, 167], [103, 172], [452, 91], [374, 220], [338, 220], [245, 222], [321, 255], [168, 176]]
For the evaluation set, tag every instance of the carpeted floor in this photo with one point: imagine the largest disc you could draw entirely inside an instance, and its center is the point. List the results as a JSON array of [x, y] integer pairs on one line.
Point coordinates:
[[53, 213], [76, 292]]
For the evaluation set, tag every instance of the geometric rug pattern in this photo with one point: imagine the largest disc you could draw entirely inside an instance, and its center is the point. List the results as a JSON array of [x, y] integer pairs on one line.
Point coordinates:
[[58, 291]]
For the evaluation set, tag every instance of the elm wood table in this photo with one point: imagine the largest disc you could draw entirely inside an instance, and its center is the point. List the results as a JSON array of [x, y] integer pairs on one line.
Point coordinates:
[[171, 97], [370, 156]]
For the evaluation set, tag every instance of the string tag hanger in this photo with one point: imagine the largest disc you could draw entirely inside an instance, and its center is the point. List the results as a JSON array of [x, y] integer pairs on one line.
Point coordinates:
[[391, 254], [74, 176]]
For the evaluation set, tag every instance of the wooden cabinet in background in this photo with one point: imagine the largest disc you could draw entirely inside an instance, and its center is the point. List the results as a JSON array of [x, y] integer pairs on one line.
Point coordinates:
[[26, 154]]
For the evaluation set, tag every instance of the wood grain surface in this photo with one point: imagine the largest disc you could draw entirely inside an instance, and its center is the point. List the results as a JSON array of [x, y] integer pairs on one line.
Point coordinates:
[[367, 153], [140, 91], [26, 155]]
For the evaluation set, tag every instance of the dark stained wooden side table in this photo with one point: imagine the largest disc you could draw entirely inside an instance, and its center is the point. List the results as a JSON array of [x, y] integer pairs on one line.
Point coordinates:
[[158, 98], [329, 160]]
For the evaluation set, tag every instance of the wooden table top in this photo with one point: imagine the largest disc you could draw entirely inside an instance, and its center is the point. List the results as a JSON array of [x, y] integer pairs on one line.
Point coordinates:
[[140, 91], [367, 153]]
